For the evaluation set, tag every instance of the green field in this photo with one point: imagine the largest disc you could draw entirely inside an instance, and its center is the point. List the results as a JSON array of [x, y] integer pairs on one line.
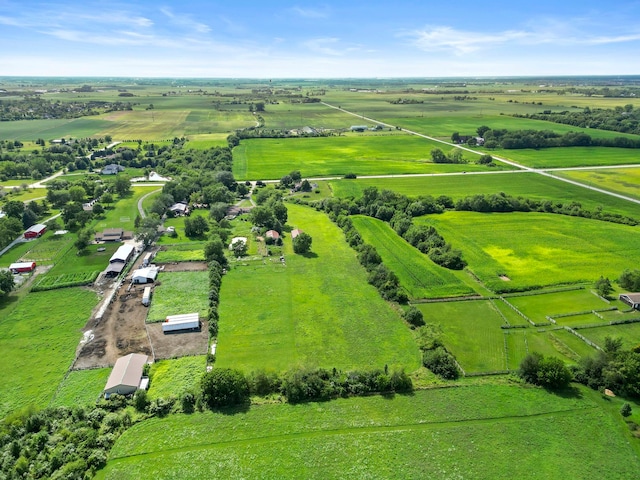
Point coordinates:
[[471, 432], [417, 273], [123, 213], [317, 310], [177, 293], [625, 181], [339, 155], [181, 252], [170, 378], [81, 387], [537, 307], [535, 249], [629, 333], [570, 156], [45, 250], [38, 340], [529, 185]]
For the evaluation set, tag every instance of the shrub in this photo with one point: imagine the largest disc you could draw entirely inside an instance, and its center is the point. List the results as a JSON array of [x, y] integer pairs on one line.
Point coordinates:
[[223, 387], [413, 316], [441, 362], [548, 372], [625, 410]]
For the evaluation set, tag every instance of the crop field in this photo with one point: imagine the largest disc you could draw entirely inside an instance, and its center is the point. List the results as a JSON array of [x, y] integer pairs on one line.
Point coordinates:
[[177, 293], [51, 282], [529, 185], [38, 340], [474, 432], [44, 250], [360, 154], [317, 310], [81, 387], [471, 331], [50, 129], [625, 180], [171, 378], [629, 333], [417, 273], [181, 252], [534, 249]]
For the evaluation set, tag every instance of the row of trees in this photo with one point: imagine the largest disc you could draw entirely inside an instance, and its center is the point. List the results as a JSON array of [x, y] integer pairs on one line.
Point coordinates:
[[519, 139], [32, 107]]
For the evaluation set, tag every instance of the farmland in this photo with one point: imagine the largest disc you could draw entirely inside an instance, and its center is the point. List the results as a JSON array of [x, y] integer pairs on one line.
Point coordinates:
[[472, 431], [316, 310], [178, 293]]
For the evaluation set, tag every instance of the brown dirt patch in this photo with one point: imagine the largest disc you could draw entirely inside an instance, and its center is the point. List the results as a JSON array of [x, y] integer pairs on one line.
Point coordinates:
[[184, 266], [178, 344]]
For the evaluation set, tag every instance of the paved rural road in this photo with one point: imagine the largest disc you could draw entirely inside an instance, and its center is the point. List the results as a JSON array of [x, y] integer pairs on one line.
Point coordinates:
[[140, 209], [523, 168]]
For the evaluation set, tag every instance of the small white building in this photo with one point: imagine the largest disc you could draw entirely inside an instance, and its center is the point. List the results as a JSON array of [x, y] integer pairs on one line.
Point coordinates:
[[126, 376], [145, 275]]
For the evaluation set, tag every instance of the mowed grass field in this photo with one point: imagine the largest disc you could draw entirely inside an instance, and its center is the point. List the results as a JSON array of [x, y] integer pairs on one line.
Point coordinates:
[[536, 249], [379, 154], [528, 185], [318, 310], [38, 340], [177, 293], [563, 157], [420, 277], [123, 212], [81, 387], [470, 432]]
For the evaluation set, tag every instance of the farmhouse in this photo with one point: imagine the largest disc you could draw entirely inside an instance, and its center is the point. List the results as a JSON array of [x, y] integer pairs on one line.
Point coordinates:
[[35, 231], [631, 299], [112, 169], [179, 209], [272, 234], [295, 232], [126, 376], [145, 275], [113, 235], [22, 267]]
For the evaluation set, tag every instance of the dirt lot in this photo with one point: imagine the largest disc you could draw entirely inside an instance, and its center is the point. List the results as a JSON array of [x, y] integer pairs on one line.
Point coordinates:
[[184, 266], [122, 329]]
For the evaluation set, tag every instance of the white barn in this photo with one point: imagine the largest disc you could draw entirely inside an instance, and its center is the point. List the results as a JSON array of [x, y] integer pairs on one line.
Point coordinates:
[[145, 275]]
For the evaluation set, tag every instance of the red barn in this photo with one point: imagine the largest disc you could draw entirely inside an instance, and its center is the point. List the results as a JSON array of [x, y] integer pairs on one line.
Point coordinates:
[[22, 267], [35, 231]]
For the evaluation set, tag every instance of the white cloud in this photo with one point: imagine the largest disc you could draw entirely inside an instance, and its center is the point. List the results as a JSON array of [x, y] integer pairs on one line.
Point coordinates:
[[324, 46], [307, 12], [185, 21]]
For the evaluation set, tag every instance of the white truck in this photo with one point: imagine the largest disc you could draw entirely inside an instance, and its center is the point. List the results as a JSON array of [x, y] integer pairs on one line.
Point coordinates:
[[146, 296]]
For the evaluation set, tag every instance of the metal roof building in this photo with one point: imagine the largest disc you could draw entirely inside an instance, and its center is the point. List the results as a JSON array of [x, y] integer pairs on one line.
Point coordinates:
[[123, 254], [126, 375], [145, 275]]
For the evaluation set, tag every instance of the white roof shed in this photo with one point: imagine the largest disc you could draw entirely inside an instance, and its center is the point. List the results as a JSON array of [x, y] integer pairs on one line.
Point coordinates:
[[126, 375]]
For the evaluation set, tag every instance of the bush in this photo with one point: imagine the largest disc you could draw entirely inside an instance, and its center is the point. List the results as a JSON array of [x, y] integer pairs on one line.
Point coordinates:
[[548, 372], [625, 410], [223, 387], [413, 316], [140, 400], [441, 362]]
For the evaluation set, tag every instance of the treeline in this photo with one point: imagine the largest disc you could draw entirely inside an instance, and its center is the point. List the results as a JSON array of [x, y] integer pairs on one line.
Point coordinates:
[[36, 108], [620, 119], [501, 202], [519, 139], [399, 211]]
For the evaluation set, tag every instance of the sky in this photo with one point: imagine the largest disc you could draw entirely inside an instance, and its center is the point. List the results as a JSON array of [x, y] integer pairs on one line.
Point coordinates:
[[319, 39]]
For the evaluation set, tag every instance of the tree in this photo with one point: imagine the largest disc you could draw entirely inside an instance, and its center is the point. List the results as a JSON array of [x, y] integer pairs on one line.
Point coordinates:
[[482, 130], [455, 137], [222, 387], [6, 282], [413, 316], [98, 209], [148, 229], [485, 159], [107, 198], [214, 251], [239, 248], [302, 243], [603, 286], [84, 239], [305, 186], [218, 211], [122, 185], [14, 209], [438, 156], [625, 410], [195, 227], [29, 218], [549, 372], [77, 193]]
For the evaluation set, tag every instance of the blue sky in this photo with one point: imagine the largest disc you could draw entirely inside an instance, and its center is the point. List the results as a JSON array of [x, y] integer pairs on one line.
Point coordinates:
[[276, 39]]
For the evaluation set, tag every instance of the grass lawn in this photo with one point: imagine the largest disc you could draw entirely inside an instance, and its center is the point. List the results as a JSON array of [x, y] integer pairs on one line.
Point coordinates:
[[629, 333], [38, 340], [569, 156], [361, 154], [318, 310], [123, 213], [535, 249], [81, 387], [181, 252], [470, 432], [171, 378], [179, 292], [178, 224], [417, 273]]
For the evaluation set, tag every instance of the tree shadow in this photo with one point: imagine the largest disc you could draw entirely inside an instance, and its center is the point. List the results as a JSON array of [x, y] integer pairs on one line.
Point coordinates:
[[309, 255], [569, 392], [235, 409]]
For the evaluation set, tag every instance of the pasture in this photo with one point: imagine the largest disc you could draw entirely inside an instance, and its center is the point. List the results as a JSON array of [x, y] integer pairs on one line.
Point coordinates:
[[38, 340], [564, 157], [474, 431], [171, 378], [317, 310], [535, 249], [625, 181], [629, 333], [81, 387], [177, 293], [420, 277], [338, 155], [180, 252], [45, 250], [538, 307], [516, 183]]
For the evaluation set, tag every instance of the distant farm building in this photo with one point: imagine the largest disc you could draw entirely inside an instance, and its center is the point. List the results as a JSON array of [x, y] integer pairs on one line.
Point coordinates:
[[113, 235], [233, 211], [22, 267], [359, 128], [179, 209], [126, 376], [295, 232], [272, 234], [631, 299], [112, 169], [145, 275], [35, 231]]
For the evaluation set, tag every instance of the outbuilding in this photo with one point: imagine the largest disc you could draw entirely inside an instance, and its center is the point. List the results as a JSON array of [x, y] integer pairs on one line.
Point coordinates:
[[126, 376], [35, 231], [179, 209], [123, 254], [272, 234], [22, 267], [631, 299], [295, 232], [183, 322], [145, 275]]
